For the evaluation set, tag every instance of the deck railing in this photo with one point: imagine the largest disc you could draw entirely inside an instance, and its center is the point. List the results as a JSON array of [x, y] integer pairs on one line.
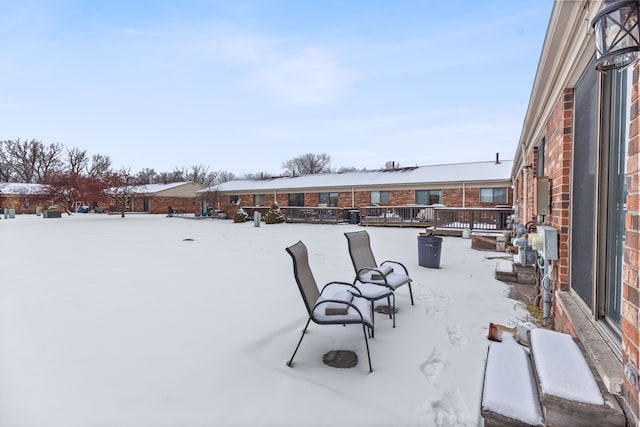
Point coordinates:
[[417, 215], [487, 219], [491, 219], [436, 216], [324, 215]]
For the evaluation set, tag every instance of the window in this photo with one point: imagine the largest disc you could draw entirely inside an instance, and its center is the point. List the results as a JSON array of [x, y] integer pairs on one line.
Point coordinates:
[[428, 197], [296, 199], [329, 199], [258, 199], [540, 159], [616, 91], [583, 187], [233, 200], [493, 195], [378, 197]]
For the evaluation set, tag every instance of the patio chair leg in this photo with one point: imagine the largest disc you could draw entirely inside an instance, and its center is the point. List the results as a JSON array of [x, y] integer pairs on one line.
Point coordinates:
[[393, 309], [304, 331], [373, 319], [366, 343], [410, 292], [390, 306]]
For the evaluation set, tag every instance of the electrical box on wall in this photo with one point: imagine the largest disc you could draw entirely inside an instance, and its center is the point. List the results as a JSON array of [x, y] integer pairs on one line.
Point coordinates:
[[543, 195], [548, 242]]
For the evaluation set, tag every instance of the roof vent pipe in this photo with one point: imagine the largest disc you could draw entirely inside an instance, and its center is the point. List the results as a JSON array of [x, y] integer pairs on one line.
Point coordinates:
[[497, 158]]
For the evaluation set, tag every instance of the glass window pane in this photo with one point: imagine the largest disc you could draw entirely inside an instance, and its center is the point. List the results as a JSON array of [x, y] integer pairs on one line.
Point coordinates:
[[333, 199], [500, 195], [617, 193], [296, 199], [435, 197], [375, 197], [486, 195]]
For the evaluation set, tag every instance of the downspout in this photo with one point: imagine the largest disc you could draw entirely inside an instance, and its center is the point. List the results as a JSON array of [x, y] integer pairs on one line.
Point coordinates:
[[524, 218], [464, 195], [353, 197], [525, 192]]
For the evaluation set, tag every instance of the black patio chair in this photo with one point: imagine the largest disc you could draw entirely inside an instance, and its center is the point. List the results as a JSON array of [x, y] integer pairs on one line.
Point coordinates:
[[388, 274], [338, 303]]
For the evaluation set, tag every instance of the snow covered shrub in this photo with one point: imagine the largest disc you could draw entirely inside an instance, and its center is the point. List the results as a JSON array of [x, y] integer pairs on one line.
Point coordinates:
[[274, 215], [241, 216]]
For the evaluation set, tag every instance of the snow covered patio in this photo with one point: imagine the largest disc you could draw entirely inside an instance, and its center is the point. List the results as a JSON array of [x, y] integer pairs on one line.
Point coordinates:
[[107, 321]]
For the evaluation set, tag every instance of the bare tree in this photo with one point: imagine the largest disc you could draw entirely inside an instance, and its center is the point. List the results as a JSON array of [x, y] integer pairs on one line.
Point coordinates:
[[29, 161], [99, 165], [196, 173], [224, 176], [349, 169], [122, 188], [49, 160], [148, 176], [257, 176], [308, 164], [77, 161], [392, 165]]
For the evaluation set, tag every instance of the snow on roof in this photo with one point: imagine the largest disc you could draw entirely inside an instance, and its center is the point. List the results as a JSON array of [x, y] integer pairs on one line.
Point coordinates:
[[458, 172], [22, 189], [155, 188]]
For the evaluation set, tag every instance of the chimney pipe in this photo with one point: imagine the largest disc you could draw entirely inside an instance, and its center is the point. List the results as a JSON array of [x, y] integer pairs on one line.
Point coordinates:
[[497, 158]]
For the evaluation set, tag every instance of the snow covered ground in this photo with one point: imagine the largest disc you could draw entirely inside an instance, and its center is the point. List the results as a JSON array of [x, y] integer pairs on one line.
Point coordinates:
[[109, 321]]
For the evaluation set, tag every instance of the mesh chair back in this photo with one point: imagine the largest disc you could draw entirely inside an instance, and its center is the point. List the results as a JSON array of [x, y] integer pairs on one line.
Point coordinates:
[[304, 278], [360, 250]]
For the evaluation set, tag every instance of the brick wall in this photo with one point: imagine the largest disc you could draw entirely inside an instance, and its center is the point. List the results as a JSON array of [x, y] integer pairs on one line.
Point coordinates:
[[558, 137], [160, 205], [630, 278], [451, 197], [557, 166], [17, 203]]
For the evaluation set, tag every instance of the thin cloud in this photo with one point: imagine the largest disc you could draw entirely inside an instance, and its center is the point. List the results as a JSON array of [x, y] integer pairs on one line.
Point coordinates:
[[307, 77]]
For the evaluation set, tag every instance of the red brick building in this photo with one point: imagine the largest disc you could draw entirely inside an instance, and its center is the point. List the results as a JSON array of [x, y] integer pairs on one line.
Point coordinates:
[[577, 170], [479, 184], [158, 198], [25, 198]]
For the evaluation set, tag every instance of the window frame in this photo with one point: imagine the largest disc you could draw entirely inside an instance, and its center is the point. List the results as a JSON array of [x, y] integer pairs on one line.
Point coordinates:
[[293, 199], [380, 196], [329, 198], [494, 197], [429, 195]]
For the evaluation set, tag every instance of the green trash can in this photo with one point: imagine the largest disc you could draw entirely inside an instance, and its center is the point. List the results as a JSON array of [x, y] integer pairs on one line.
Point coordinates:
[[429, 250]]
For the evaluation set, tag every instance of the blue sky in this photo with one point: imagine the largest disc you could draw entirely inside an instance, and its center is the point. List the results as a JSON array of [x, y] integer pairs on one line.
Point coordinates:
[[243, 85]]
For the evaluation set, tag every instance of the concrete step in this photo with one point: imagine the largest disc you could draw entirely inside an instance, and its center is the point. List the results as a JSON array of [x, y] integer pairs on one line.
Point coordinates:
[[571, 393], [505, 271], [509, 393], [550, 383]]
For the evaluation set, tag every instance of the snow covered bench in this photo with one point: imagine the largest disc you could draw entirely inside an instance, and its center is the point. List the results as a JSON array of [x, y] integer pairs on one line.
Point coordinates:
[[550, 384], [571, 393], [509, 394]]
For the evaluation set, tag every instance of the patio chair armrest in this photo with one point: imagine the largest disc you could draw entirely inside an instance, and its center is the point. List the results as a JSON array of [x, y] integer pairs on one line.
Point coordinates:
[[370, 280], [397, 263], [350, 287]]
